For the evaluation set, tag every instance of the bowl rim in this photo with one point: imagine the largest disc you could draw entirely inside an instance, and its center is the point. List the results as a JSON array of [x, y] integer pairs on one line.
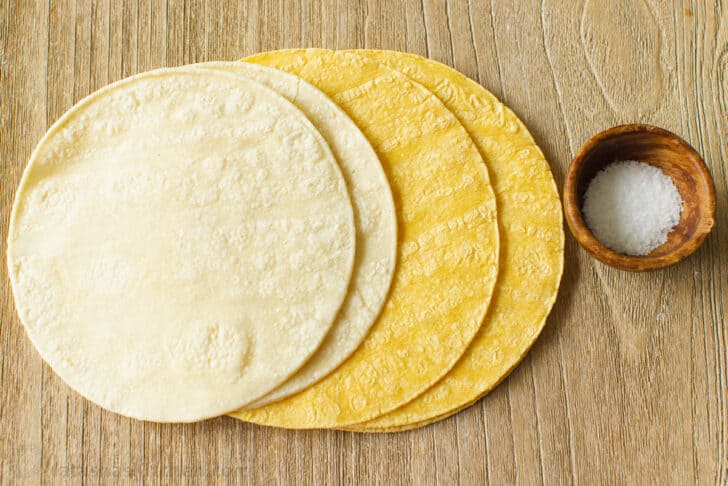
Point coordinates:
[[589, 242]]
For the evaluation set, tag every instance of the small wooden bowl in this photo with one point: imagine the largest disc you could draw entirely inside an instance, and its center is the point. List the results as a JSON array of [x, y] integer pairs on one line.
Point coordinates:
[[659, 148]]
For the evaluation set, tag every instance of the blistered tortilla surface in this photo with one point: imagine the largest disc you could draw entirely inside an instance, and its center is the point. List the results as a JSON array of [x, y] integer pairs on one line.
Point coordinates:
[[375, 218], [447, 252], [173, 236], [532, 243]]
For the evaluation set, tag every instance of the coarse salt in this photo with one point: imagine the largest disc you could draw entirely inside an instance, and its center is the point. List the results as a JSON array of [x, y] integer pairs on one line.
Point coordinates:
[[631, 207]]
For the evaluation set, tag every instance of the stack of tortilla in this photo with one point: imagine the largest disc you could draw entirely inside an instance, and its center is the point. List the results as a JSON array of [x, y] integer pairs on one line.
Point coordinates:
[[362, 239]]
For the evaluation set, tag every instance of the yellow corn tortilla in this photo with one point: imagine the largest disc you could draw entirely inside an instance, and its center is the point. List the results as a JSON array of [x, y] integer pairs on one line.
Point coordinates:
[[448, 243], [531, 236]]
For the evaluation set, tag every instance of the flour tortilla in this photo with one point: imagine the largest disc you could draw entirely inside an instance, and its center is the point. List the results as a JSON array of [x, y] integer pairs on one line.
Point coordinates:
[[376, 223], [448, 243], [532, 243], [180, 244]]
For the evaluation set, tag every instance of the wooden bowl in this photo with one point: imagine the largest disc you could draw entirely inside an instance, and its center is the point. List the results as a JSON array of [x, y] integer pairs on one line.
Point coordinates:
[[659, 148]]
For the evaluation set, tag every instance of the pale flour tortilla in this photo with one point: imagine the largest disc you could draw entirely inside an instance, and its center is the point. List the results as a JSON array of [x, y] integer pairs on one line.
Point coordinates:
[[532, 243], [375, 219], [448, 243], [180, 244]]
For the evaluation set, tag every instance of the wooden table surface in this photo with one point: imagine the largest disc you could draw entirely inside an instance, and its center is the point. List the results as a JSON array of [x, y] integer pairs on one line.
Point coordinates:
[[627, 384]]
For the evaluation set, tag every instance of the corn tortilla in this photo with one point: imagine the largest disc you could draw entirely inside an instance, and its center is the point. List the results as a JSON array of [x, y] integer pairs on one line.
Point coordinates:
[[448, 243]]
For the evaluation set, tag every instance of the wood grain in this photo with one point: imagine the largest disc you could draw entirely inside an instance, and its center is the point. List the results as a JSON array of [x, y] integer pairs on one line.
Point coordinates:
[[629, 382]]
